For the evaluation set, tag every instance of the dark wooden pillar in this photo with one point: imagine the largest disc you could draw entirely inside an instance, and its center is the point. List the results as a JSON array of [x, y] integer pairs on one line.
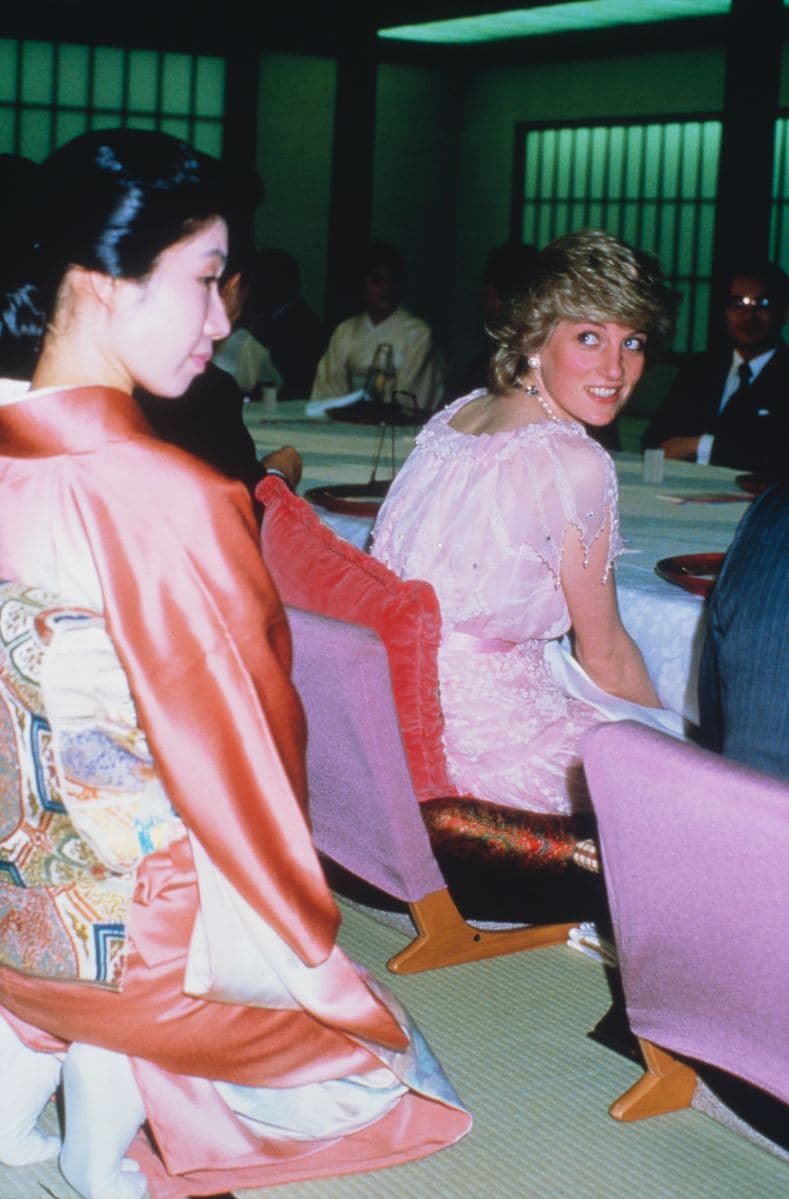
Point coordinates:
[[753, 70], [351, 195], [239, 151], [241, 107]]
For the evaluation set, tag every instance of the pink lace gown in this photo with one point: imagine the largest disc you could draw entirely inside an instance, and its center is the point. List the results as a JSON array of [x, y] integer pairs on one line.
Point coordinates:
[[483, 519]]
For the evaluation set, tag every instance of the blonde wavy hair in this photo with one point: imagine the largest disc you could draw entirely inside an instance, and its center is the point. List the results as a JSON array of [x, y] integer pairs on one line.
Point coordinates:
[[588, 275]]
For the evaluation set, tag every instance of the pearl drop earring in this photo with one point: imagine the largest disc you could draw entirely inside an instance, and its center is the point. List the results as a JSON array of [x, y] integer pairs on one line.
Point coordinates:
[[533, 362]]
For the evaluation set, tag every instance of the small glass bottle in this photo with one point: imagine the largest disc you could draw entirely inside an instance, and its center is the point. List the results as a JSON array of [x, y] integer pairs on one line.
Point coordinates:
[[380, 372]]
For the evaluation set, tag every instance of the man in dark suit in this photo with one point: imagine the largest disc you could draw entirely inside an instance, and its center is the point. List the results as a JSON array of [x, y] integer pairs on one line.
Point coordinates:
[[744, 680], [732, 408]]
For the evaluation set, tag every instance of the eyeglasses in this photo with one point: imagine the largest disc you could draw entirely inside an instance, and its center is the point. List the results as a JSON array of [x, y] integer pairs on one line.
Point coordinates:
[[740, 302]]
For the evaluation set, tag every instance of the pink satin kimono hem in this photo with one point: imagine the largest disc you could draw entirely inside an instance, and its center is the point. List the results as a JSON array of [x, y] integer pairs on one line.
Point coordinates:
[[202, 1146]]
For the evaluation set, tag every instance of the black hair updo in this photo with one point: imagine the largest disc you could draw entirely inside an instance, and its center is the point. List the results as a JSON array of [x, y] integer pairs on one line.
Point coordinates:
[[110, 201]]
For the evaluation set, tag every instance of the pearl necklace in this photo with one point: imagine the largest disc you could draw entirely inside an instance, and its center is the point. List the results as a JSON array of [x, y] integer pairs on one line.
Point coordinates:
[[531, 390]]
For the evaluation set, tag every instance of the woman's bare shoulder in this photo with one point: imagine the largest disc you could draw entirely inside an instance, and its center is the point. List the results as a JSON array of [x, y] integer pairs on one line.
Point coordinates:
[[488, 413], [469, 415]]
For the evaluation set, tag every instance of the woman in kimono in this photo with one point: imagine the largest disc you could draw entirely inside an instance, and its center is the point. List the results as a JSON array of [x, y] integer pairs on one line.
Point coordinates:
[[173, 951]]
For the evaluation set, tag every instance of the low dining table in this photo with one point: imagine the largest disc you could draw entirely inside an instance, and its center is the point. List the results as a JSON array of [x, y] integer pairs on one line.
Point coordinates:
[[658, 520]]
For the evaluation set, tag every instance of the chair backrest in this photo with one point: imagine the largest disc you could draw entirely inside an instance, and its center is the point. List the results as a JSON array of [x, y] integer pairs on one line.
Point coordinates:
[[366, 666], [365, 815], [694, 852], [315, 570], [375, 726]]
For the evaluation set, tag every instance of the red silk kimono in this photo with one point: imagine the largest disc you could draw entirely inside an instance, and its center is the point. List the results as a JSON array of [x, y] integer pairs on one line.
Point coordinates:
[[89, 499]]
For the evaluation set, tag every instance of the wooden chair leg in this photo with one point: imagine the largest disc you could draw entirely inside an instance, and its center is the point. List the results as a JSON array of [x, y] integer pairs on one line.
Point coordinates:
[[444, 938], [667, 1085]]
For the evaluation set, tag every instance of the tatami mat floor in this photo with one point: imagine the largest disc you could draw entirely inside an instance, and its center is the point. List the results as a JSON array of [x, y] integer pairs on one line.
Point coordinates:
[[511, 1034]]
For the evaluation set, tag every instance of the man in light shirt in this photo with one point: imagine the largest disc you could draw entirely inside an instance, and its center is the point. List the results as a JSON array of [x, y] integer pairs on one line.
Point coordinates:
[[732, 408], [412, 363]]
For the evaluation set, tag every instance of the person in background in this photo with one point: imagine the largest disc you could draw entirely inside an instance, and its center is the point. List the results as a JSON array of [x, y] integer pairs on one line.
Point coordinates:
[[744, 678], [731, 408], [185, 784], [415, 366], [241, 355], [282, 321], [507, 272]]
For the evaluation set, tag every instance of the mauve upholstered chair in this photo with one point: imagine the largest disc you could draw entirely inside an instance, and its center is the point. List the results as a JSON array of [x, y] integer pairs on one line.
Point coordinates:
[[369, 685], [694, 851]]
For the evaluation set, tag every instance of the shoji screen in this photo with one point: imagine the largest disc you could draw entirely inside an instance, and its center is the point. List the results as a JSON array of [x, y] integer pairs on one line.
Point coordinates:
[[51, 92], [779, 230], [652, 183]]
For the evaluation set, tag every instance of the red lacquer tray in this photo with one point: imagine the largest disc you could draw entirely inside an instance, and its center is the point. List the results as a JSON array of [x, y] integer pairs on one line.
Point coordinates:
[[694, 572], [753, 484], [352, 499]]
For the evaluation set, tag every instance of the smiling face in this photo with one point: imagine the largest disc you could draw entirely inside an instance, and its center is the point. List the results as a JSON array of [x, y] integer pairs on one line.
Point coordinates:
[[588, 370], [163, 327]]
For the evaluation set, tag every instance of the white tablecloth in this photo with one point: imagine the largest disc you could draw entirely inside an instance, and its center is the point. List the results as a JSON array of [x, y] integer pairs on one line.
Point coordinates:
[[666, 622]]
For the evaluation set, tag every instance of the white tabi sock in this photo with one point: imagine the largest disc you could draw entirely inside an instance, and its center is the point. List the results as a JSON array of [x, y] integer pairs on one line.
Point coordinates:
[[28, 1080], [104, 1110]]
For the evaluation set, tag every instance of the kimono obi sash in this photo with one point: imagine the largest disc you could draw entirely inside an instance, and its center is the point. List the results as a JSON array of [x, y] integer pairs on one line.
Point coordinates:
[[80, 800]]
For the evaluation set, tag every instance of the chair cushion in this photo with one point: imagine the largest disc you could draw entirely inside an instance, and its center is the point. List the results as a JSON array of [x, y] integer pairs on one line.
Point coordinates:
[[317, 571]]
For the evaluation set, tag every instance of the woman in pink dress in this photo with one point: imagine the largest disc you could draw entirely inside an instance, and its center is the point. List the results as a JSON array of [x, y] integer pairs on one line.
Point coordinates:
[[509, 509], [167, 937]]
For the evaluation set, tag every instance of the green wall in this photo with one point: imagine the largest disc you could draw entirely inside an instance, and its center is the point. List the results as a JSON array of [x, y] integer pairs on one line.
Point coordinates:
[[415, 182], [295, 122]]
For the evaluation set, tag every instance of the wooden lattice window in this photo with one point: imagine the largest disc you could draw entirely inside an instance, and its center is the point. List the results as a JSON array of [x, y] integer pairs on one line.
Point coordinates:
[[50, 92], [652, 182]]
